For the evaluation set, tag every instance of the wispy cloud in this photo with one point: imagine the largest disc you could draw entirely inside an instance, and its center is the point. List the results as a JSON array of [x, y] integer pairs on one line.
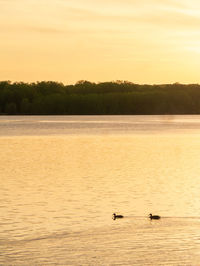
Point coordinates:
[[108, 15], [44, 30], [172, 18]]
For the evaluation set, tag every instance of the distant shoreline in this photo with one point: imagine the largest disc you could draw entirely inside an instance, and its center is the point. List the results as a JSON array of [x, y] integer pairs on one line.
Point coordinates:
[[106, 98]]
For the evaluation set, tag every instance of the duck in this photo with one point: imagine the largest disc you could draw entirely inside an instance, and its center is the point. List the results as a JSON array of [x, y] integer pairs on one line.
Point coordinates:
[[155, 217], [117, 216]]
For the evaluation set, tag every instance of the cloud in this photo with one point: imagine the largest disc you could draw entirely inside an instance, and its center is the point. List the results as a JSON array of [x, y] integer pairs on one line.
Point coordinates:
[[44, 30], [172, 18], [24, 29]]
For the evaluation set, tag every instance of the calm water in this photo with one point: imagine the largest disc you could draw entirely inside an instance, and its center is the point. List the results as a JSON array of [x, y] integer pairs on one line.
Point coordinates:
[[63, 177]]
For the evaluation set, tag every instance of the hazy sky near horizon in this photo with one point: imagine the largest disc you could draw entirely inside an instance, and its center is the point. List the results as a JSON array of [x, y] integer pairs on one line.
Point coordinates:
[[143, 41]]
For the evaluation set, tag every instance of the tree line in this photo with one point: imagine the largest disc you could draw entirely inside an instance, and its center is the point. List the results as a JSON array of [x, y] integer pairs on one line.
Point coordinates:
[[105, 98]]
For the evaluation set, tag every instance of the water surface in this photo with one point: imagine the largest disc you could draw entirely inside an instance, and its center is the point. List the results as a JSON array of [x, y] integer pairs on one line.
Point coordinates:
[[63, 177]]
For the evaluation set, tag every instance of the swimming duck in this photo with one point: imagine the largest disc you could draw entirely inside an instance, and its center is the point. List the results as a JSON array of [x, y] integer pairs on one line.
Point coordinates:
[[115, 216], [155, 217]]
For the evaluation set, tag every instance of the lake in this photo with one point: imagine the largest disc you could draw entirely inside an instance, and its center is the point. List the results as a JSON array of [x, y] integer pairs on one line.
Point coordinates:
[[62, 178]]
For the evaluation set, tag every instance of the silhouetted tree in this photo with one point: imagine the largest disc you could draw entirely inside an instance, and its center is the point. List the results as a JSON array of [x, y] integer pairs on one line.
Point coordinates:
[[25, 106], [11, 109]]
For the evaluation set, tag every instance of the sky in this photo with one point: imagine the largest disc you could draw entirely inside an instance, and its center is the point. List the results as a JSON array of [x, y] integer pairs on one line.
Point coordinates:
[[143, 41]]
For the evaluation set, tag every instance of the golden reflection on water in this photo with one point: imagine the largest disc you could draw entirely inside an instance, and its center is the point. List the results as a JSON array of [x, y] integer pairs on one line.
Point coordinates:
[[75, 183], [133, 172]]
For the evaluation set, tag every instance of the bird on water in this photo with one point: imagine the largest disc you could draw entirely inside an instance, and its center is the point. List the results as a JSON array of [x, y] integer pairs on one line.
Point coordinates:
[[117, 216], [155, 217]]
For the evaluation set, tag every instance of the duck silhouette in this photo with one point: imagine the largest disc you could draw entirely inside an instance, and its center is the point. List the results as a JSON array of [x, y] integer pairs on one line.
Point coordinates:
[[117, 216], [155, 217]]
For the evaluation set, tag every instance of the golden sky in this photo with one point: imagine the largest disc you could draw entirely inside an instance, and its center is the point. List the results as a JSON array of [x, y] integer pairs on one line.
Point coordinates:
[[143, 41]]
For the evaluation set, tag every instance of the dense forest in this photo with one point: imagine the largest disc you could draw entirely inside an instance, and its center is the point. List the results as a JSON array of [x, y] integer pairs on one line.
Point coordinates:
[[106, 98]]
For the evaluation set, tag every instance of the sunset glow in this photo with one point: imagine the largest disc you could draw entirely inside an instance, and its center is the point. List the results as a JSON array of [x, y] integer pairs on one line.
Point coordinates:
[[146, 41]]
